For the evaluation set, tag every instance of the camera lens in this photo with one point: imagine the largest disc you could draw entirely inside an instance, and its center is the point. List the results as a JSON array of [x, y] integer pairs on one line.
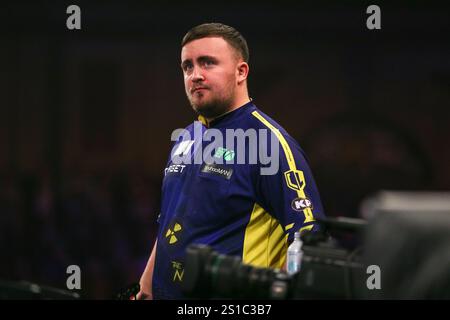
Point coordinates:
[[212, 275]]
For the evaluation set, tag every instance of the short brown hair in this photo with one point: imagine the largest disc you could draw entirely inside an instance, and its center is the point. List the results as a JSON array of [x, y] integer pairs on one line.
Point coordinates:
[[229, 34]]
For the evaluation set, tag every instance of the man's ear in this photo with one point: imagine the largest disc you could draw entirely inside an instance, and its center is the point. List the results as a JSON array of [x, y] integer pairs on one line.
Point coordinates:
[[242, 71]]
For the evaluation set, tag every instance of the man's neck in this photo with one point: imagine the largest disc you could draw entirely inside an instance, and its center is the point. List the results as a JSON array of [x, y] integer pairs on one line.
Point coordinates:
[[235, 106]]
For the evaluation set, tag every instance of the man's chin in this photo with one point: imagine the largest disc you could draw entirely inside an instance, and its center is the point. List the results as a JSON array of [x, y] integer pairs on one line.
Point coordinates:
[[202, 107], [209, 113], [204, 110], [209, 109]]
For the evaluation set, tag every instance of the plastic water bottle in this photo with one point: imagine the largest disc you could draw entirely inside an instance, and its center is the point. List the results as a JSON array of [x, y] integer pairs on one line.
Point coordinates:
[[294, 255]]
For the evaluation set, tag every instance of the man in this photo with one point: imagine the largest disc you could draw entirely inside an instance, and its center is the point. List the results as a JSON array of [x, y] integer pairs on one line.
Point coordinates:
[[240, 208]]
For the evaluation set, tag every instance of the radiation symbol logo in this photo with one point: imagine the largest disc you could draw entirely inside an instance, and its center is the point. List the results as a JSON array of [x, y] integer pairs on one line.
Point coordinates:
[[170, 234]]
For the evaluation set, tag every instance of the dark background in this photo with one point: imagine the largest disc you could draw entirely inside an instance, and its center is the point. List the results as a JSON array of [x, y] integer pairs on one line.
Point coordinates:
[[86, 117]]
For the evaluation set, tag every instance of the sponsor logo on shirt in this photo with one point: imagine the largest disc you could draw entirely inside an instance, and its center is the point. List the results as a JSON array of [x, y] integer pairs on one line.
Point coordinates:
[[170, 233], [295, 179], [226, 154], [300, 204], [174, 168], [218, 170], [178, 271]]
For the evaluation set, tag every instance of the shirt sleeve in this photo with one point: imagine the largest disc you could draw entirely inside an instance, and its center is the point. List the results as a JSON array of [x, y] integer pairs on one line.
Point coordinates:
[[290, 194]]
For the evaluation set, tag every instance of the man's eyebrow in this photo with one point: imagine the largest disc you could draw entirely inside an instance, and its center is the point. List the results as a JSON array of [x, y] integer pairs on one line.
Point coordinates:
[[206, 58], [199, 59], [202, 58]]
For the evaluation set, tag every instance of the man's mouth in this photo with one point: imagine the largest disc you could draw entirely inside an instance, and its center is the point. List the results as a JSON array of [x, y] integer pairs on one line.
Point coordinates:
[[197, 89]]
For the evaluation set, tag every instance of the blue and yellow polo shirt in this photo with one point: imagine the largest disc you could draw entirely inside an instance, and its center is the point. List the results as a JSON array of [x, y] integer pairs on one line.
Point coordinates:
[[231, 206]]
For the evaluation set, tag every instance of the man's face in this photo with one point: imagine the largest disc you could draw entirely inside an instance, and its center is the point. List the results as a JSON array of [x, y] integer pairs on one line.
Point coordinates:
[[209, 68]]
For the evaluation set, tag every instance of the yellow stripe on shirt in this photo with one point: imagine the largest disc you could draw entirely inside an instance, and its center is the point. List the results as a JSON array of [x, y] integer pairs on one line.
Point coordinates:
[[295, 179]]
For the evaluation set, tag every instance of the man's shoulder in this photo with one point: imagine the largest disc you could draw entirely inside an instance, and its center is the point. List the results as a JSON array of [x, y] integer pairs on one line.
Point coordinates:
[[261, 120]]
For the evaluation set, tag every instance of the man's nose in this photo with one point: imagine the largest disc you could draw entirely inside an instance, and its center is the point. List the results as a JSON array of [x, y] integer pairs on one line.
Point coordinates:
[[197, 75]]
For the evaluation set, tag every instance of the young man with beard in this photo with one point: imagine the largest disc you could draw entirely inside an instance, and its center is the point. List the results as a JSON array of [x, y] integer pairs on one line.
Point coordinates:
[[235, 205]]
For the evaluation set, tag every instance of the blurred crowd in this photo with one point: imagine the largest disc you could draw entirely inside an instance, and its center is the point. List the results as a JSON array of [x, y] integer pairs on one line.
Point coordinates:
[[105, 224]]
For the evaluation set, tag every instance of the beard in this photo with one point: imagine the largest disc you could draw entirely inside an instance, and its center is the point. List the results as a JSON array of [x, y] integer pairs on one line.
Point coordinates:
[[213, 107]]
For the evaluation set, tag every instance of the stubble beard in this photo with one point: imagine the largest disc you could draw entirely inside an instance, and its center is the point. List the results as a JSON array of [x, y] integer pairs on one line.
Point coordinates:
[[215, 107]]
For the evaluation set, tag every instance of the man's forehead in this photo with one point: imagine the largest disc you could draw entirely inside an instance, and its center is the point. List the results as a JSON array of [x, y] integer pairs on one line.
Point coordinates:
[[210, 46]]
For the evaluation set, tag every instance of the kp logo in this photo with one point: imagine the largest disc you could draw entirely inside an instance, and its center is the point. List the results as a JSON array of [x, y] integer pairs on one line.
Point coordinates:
[[299, 204]]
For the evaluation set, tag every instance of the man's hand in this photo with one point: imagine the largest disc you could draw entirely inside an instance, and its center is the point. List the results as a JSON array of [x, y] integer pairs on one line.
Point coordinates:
[[145, 292]]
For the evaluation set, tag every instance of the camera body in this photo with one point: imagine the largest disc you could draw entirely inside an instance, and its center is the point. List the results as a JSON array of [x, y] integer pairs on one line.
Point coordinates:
[[406, 238], [329, 271]]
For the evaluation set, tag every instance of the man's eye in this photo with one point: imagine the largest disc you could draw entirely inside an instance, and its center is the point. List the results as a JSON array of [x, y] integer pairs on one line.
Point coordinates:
[[187, 67], [209, 63]]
